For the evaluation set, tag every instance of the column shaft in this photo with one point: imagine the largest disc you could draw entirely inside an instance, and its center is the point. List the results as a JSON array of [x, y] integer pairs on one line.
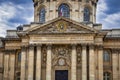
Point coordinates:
[[73, 63], [6, 66], [31, 63], [115, 65], [38, 63], [23, 65], [84, 63], [100, 63], [12, 66], [91, 63], [48, 63]]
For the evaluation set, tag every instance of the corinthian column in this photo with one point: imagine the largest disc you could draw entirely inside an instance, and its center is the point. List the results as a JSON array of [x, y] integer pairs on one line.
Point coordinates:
[[84, 63], [38, 63], [48, 63], [91, 63], [100, 63], [23, 59], [31, 63], [73, 63]]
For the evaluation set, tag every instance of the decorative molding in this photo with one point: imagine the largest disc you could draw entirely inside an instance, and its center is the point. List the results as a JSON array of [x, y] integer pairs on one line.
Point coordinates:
[[61, 52], [10, 51], [79, 51], [44, 55]]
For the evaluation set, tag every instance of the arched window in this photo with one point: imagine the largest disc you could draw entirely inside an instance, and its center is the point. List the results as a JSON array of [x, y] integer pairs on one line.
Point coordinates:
[[107, 76], [42, 15], [64, 10], [86, 15], [106, 56]]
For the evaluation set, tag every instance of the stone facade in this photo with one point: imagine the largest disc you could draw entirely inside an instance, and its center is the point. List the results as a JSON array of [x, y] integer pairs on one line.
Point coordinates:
[[81, 50]]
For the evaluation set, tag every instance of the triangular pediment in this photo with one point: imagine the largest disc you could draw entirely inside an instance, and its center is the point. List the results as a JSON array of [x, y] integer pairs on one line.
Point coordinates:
[[61, 25]]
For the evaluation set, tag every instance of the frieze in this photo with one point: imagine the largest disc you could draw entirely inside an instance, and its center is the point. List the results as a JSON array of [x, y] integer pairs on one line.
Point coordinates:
[[61, 39]]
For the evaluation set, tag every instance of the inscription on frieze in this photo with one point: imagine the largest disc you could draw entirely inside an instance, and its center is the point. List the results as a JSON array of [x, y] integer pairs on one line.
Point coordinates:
[[62, 39]]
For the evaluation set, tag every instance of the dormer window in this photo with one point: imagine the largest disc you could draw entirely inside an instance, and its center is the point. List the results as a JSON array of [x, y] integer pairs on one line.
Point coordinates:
[[64, 10], [42, 15]]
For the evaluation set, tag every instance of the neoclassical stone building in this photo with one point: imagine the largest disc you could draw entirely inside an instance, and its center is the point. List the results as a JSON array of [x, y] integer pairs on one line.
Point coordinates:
[[63, 43]]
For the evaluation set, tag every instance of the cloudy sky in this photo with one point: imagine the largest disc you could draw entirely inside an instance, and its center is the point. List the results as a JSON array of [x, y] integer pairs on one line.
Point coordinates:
[[17, 12]]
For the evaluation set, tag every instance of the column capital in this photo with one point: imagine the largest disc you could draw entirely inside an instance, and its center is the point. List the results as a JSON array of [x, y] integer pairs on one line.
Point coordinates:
[[10, 51], [31, 47], [49, 46], [39, 45], [100, 47], [84, 46], [74, 46], [115, 50], [23, 48], [91, 46]]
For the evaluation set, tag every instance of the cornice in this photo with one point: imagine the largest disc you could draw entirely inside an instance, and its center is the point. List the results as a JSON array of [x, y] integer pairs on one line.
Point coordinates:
[[112, 37], [57, 33], [10, 51], [11, 39]]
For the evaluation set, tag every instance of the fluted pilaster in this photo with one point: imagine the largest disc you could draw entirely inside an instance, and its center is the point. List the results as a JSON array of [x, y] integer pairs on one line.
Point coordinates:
[[84, 63], [91, 63], [31, 63], [38, 63], [12, 66], [23, 65], [100, 63], [49, 63], [73, 62]]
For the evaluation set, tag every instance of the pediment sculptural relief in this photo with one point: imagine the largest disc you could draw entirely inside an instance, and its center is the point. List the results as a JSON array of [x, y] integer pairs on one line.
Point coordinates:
[[61, 26]]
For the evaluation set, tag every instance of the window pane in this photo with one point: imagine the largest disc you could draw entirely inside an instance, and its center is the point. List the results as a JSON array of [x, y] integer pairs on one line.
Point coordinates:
[[86, 15], [64, 11], [106, 56], [19, 56], [107, 76], [42, 15]]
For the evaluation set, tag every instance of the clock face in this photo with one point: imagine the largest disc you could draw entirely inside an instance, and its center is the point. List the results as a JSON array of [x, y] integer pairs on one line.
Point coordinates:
[[61, 26], [61, 62]]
